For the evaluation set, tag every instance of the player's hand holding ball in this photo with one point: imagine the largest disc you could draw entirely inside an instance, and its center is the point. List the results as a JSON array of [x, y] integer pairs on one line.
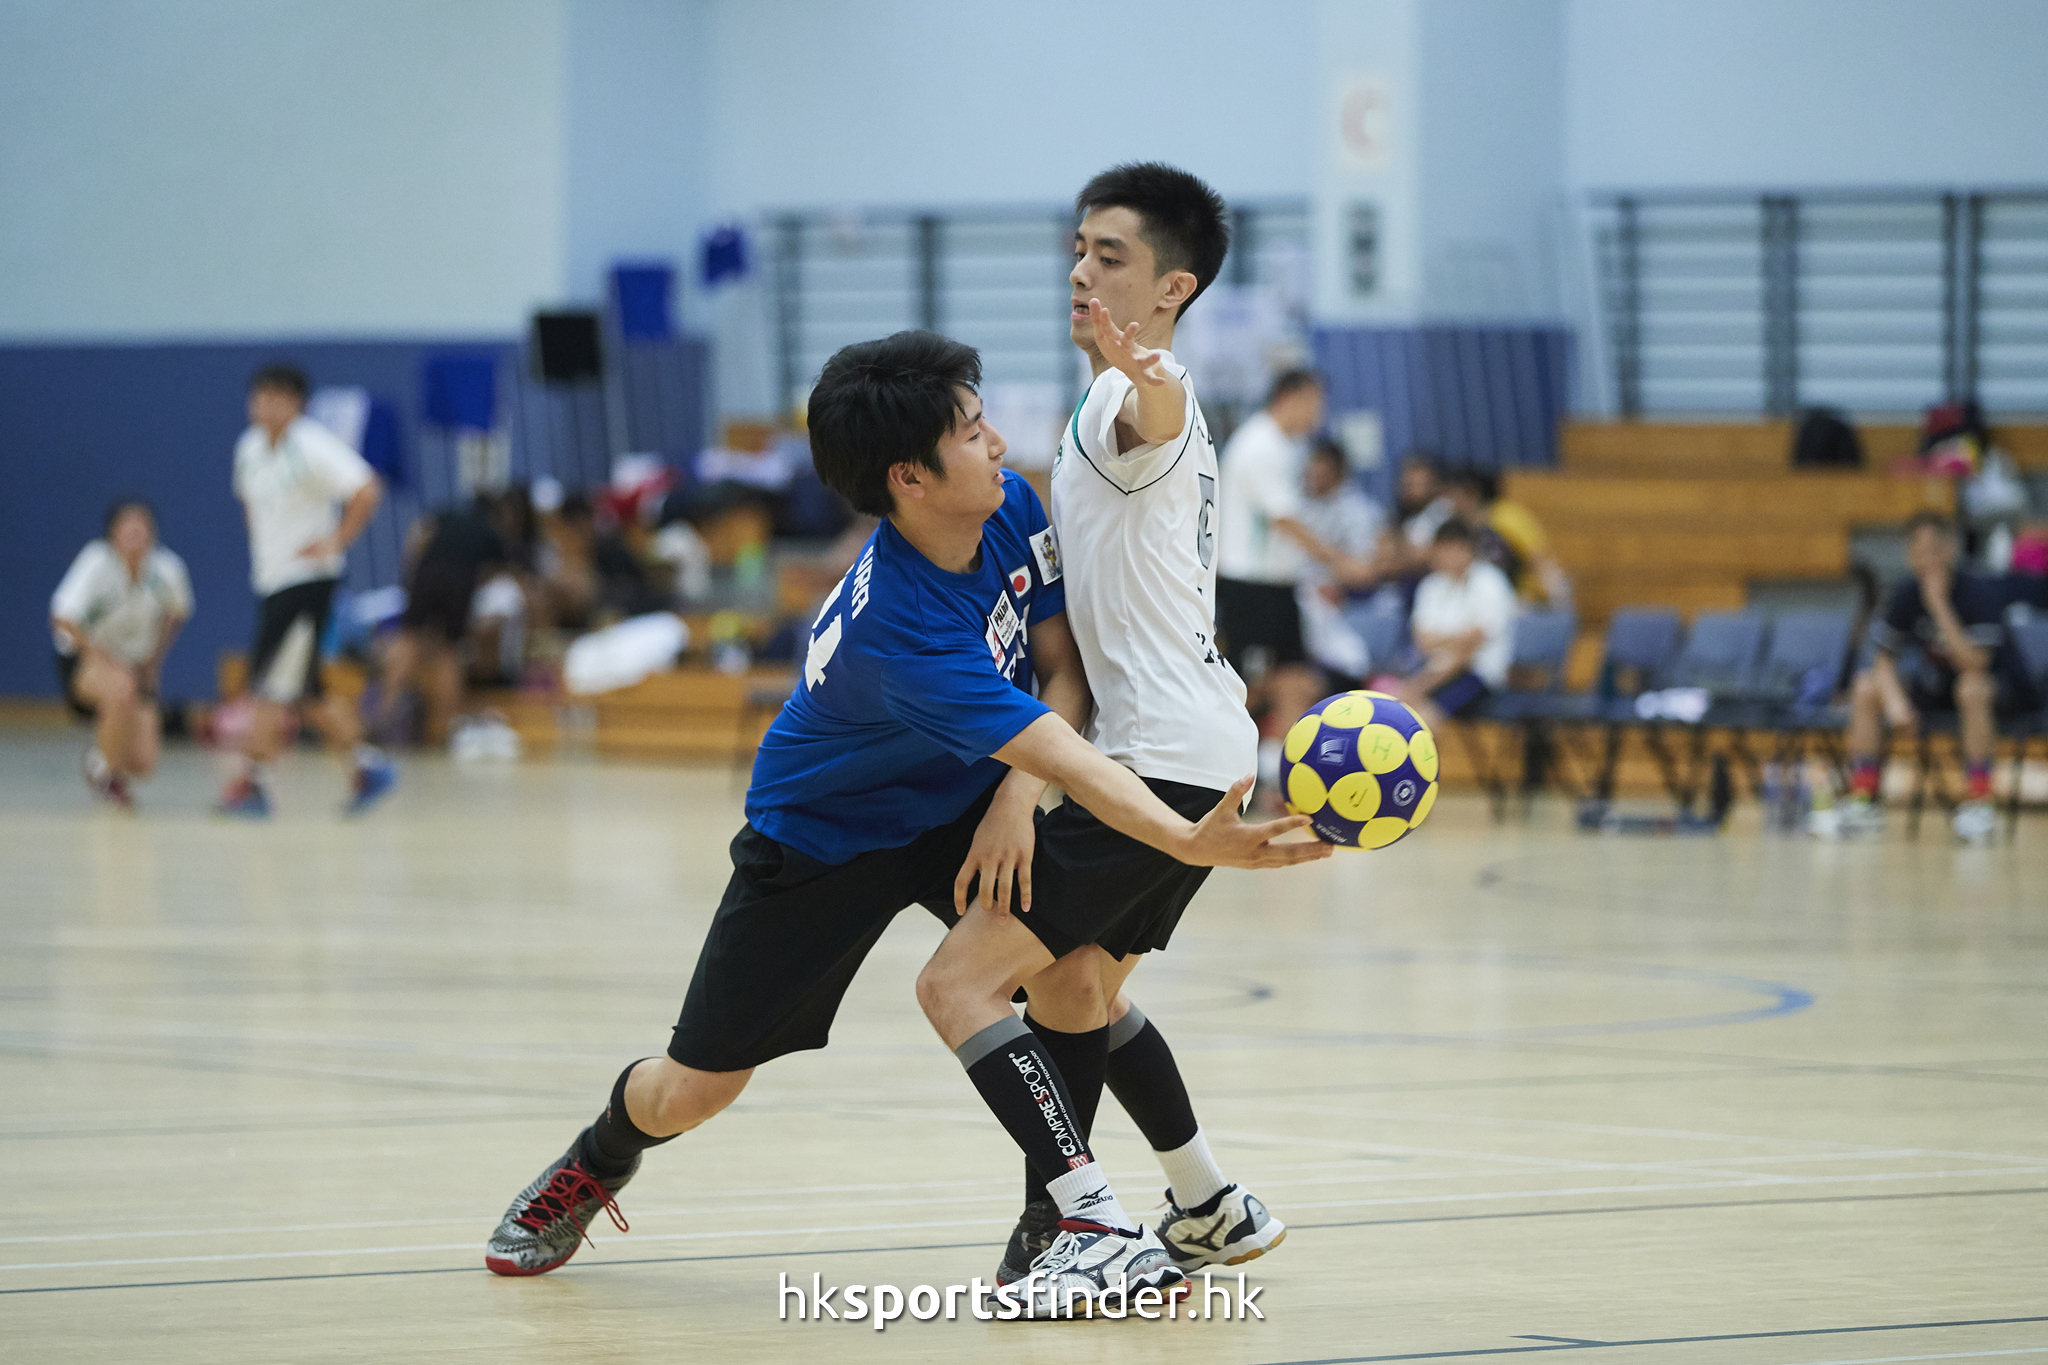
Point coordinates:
[[1362, 767]]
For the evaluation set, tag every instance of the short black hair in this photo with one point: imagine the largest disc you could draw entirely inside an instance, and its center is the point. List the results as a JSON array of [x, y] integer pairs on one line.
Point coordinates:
[[883, 403], [1292, 381], [1186, 223], [119, 506], [1329, 448], [1480, 481], [1429, 460], [1931, 519], [280, 374], [1456, 530]]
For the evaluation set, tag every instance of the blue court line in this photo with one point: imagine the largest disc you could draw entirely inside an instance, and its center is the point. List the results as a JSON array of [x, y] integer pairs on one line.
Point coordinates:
[[1667, 1341], [965, 1246]]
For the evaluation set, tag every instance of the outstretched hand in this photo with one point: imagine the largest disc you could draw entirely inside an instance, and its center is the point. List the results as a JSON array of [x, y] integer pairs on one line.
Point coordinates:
[[1223, 839], [1121, 348]]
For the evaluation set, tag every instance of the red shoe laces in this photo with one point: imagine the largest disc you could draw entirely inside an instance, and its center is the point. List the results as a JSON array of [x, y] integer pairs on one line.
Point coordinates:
[[570, 1187]]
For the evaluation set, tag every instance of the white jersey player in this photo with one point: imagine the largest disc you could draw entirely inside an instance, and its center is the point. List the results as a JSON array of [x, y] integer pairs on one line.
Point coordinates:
[[1134, 516]]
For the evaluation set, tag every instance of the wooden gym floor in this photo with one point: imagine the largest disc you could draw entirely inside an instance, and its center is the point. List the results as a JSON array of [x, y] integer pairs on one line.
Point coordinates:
[[1518, 1092]]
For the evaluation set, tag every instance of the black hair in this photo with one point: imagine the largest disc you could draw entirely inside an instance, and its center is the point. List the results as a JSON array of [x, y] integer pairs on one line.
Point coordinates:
[[1480, 481], [1292, 381], [878, 404], [118, 506], [1457, 530], [575, 507], [1184, 221], [281, 374], [1933, 520], [1329, 448]]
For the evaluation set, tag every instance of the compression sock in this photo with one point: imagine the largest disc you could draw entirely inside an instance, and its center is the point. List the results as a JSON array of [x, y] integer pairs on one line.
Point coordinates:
[[1081, 1058], [1023, 1089], [1863, 776], [609, 1145], [1978, 777], [1146, 1082]]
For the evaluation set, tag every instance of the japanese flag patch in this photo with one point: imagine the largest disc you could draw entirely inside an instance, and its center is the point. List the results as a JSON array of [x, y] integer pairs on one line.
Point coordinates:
[[1046, 550], [1020, 579]]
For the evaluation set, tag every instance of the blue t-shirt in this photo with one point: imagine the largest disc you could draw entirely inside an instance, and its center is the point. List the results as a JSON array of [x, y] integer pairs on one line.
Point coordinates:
[[912, 677]]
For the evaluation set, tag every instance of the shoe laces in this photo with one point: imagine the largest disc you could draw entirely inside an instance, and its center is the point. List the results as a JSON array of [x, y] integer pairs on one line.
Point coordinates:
[[571, 1186]]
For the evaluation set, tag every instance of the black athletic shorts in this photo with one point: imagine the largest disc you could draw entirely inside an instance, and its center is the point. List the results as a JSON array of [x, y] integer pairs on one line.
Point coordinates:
[[67, 676], [1091, 884], [1931, 687], [791, 931], [274, 620], [439, 599], [1261, 616]]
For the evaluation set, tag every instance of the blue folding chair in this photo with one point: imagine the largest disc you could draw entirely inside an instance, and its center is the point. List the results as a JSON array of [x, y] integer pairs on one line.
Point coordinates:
[[1720, 657], [1640, 645], [1540, 650]]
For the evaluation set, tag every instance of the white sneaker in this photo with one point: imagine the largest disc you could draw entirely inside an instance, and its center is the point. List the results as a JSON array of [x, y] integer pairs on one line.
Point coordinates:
[[1230, 1229], [1976, 822], [1850, 819], [1088, 1260]]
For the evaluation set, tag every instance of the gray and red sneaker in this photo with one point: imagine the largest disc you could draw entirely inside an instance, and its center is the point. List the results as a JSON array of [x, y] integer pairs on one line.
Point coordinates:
[[545, 1224]]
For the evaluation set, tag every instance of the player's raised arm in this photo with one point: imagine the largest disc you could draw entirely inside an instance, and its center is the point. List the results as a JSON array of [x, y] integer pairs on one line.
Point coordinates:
[[1156, 408], [1049, 748]]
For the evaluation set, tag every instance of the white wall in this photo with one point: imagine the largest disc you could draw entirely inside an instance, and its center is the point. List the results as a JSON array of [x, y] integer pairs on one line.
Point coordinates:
[[1792, 93], [940, 103], [238, 167]]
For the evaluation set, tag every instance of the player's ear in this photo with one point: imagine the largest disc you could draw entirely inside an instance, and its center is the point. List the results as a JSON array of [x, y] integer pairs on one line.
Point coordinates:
[[1180, 287], [906, 479]]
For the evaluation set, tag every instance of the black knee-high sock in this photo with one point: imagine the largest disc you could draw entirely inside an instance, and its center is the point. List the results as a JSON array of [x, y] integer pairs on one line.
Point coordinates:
[[1023, 1088], [1146, 1081], [609, 1145], [1081, 1058]]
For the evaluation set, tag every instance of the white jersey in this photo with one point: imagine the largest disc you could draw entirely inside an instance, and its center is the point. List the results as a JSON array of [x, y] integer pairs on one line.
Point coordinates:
[[1137, 541], [293, 492], [120, 614]]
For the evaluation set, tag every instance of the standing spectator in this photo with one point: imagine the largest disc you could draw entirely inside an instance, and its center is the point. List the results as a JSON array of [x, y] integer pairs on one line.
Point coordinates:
[[1262, 548], [115, 614], [1942, 645], [1464, 615], [462, 545], [306, 497]]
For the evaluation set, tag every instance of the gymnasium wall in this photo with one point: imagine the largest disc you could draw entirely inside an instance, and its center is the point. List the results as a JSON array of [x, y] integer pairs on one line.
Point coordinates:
[[1793, 93], [242, 167]]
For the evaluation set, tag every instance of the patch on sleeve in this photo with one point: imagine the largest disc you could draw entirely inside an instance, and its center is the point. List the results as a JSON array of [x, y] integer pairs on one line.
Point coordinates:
[[1046, 550]]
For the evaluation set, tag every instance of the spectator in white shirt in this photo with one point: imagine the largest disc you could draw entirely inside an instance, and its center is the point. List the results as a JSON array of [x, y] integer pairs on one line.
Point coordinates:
[[306, 497], [1463, 621], [114, 616]]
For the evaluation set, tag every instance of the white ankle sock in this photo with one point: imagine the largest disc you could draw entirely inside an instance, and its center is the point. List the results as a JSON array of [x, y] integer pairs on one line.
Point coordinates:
[[1191, 1172], [1084, 1193]]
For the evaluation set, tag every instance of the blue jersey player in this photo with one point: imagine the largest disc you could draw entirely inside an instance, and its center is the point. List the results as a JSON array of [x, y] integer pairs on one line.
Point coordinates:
[[916, 703]]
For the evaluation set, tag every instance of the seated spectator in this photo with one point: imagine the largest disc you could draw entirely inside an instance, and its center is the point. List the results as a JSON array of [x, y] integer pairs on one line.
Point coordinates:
[[1942, 646], [1509, 537], [458, 549], [497, 632], [587, 574], [1422, 503], [1464, 614], [1337, 512], [115, 614]]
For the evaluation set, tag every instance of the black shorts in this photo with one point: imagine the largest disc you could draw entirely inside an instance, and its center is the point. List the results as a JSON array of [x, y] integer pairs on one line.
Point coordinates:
[[1933, 688], [1262, 616], [312, 602], [439, 599], [67, 676], [1091, 884], [791, 931]]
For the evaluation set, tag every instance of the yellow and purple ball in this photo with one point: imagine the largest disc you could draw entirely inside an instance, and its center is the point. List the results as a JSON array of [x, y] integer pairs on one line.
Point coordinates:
[[1362, 766]]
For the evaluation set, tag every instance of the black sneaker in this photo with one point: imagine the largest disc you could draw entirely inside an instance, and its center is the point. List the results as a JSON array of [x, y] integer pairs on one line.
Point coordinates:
[[1035, 1230], [544, 1226]]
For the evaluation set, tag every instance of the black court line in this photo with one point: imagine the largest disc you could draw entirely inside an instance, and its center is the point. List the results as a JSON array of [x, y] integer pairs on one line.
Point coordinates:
[[963, 1246], [1569, 1345]]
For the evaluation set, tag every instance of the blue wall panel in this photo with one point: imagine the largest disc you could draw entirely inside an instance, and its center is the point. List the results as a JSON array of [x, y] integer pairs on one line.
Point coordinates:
[[82, 425], [1489, 397]]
